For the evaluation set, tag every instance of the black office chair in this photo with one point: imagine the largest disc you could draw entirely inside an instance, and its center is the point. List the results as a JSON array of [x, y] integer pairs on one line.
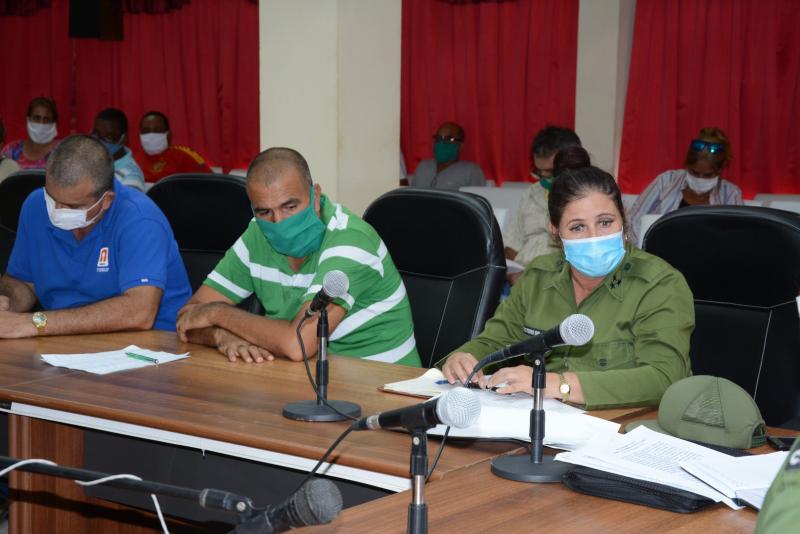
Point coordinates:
[[207, 212], [13, 192], [742, 264], [7, 238], [449, 251]]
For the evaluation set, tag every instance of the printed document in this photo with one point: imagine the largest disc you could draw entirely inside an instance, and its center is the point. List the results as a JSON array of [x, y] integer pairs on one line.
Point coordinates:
[[103, 363]]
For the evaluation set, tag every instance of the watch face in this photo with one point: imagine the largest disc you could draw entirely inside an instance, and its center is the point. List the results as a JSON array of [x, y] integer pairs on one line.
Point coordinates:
[[39, 319], [564, 389]]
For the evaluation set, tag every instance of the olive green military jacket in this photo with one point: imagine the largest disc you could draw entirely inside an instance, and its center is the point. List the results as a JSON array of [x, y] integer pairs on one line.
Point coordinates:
[[781, 510], [643, 316]]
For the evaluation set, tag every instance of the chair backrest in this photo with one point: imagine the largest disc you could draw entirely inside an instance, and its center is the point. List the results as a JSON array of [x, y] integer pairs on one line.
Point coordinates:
[[449, 251], [505, 200], [7, 238], [742, 264], [13, 192], [207, 212]]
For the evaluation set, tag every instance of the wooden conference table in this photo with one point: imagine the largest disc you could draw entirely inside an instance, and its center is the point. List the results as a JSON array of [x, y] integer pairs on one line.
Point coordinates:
[[205, 402]]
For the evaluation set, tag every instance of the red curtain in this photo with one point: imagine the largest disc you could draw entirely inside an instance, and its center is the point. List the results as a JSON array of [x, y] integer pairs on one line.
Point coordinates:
[[731, 64], [198, 64], [502, 70]]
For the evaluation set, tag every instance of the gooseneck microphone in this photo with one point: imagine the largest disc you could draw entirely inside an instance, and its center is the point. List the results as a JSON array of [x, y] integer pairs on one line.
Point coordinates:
[[577, 329], [334, 285], [317, 502], [458, 407]]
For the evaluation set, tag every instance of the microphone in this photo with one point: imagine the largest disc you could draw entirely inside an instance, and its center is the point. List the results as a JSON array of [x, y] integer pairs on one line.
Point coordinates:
[[317, 502], [458, 407], [577, 329], [334, 285]]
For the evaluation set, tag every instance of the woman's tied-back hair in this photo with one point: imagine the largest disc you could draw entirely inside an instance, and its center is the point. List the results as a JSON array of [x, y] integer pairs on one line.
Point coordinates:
[[574, 177]]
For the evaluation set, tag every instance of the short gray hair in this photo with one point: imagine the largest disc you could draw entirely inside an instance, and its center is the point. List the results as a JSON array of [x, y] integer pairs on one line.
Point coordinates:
[[274, 162], [79, 158]]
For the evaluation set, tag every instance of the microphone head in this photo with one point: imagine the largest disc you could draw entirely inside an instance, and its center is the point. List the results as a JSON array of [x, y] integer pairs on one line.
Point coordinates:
[[458, 407], [335, 284], [577, 329], [318, 501]]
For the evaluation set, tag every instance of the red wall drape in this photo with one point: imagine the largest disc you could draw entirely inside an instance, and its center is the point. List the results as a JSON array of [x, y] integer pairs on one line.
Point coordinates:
[[731, 64], [198, 64], [500, 69]]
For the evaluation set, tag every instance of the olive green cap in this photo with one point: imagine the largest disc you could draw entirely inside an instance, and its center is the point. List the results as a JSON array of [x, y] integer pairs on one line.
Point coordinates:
[[710, 409]]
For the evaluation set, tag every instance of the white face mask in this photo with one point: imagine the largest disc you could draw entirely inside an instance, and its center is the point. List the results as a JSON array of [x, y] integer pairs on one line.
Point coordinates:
[[70, 219], [701, 185], [154, 143], [41, 133]]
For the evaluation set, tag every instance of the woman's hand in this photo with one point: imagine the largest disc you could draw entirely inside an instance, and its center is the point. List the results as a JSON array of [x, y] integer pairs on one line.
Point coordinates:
[[513, 379], [459, 366]]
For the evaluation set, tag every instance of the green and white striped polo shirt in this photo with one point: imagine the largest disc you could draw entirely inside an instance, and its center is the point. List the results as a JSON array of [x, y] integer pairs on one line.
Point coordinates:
[[377, 325]]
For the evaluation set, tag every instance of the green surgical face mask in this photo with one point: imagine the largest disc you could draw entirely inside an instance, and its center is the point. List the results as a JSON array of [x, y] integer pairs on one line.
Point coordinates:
[[296, 236], [445, 152]]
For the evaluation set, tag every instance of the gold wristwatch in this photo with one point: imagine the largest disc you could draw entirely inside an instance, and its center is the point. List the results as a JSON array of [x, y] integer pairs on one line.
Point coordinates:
[[40, 322], [563, 387]]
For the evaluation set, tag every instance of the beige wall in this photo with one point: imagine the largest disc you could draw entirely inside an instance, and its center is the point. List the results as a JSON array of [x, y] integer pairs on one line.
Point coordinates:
[[605, 29], [330, 88]]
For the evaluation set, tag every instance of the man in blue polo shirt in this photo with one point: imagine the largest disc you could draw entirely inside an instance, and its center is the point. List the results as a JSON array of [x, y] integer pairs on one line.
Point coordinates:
[[98, 256]]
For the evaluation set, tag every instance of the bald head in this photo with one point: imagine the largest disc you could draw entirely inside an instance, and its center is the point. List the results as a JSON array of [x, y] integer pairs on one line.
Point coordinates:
[[79, 158], [451, 129], [275, 163]]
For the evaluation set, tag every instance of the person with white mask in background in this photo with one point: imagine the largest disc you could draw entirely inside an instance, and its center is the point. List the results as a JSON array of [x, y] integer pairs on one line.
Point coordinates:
[[96, 255], [158, 157], [32, 153], [697, 184]]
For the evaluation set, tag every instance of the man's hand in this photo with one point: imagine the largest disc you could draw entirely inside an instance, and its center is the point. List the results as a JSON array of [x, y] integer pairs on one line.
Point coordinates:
[[459, 366], [235, 347], [5, 303], [194, 316], [16, 325]]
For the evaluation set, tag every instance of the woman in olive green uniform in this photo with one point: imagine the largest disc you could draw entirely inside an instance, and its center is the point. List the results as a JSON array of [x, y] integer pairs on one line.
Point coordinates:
[[642, 308]]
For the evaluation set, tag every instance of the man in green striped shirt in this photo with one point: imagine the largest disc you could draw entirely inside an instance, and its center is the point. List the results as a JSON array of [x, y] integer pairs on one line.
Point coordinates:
[[296, 237]]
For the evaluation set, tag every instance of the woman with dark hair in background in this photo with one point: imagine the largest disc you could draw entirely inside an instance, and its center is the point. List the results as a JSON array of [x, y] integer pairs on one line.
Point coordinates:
[[642, 308], [697, 184], [32, 153]]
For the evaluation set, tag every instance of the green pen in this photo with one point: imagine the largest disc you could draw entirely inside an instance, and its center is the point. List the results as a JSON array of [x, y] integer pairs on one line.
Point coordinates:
[[141, 357]]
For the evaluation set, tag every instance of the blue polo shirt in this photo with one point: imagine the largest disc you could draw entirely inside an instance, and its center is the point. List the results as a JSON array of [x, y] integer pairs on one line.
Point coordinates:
[[132, 245]]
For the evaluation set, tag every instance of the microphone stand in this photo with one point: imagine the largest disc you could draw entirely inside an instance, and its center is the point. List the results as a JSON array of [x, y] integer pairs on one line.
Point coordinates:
[[211, 499], [322, 410], [418, 509], [537, 467]]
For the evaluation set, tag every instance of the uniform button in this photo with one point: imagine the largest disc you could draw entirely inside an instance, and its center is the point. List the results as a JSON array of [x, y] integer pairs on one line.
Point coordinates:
[[627, 267], [602, 362]]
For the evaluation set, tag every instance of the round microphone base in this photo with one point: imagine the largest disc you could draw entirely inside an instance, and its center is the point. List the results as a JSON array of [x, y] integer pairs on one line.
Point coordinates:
[[312, 411], [522, 469]]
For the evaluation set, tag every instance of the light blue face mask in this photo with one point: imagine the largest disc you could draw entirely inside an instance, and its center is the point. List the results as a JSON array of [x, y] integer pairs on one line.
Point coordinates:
[[595, 256]]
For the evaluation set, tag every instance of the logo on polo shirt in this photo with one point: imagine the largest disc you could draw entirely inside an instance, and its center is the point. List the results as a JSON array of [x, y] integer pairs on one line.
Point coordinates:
[[102, 260]]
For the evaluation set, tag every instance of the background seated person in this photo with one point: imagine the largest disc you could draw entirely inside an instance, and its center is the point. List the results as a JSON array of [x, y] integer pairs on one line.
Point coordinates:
[[697, 184], [32, 153], [111, 129], [7, 165], [527, 234], [446, 171], [158, 157], [297, 236], [98, 256], [641, 307]]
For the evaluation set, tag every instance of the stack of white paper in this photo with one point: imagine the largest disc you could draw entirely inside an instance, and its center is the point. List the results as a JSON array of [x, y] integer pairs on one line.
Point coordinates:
[[430, 384], [508, 416], [648, 455], [746, 478], [103, 363]]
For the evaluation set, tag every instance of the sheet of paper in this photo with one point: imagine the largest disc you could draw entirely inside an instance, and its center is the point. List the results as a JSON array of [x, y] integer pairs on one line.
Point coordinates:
[[648, 455], [730, 475], [426, 385], [753, 497], [103, 363]]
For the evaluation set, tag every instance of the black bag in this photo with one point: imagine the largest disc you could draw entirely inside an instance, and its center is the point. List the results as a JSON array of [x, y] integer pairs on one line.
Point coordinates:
[[621, 488]]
